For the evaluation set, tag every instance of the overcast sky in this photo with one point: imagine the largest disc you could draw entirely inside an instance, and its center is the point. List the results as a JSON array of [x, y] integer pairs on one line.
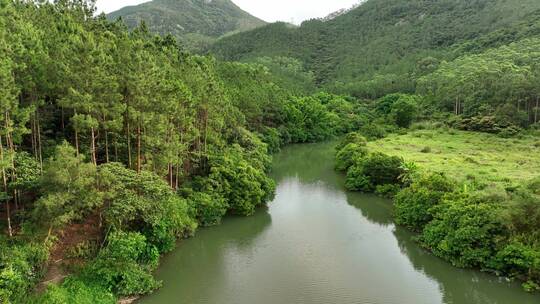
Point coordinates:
[[269, 10]]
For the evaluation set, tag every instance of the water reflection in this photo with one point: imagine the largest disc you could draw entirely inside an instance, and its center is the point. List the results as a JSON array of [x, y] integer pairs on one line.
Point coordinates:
[[461, 285], [319, 244]]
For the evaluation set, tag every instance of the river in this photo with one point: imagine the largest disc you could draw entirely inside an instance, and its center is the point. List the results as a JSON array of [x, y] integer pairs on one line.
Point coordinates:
[[317, 243]]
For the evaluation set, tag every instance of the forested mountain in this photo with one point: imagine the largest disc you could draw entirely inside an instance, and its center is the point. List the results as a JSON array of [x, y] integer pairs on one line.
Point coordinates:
[[382, 45], [115, 143], [196, 23]]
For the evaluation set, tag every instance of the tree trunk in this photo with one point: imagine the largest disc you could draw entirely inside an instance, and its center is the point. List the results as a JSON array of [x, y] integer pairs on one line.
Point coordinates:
[[128, 136], [34, 137], [106, 146], [93, 147], [536, 111], [40, 153], [115, 148], [63, 124], [139, 148], [4, 180]]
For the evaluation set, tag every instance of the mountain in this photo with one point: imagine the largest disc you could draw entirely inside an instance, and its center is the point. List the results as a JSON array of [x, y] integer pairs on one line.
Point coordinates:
[[196, 23], [382, 44]]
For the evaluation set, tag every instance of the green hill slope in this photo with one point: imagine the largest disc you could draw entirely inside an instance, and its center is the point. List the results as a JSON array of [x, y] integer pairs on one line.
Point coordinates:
[[384, 44], [195, 22]]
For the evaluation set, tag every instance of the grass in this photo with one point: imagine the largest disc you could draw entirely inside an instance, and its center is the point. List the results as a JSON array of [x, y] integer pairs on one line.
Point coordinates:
[[467, 155]]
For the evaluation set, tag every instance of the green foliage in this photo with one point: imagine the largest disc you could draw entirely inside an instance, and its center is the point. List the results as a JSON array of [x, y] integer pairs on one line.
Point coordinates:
[[21, 266], [393, 43], [404, 112], [272, 138], [124, 266], [308, 120], [465, 231], [243, 186], [75, 290], [374, 170], [208, 209], [69, 188], [494, 90], [349, 155], [351, 138], [144, 202], [521, 261], [412, 205]]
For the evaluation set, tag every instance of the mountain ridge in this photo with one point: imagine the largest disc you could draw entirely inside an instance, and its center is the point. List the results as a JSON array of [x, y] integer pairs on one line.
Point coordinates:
[[380, 39], [196, 23]]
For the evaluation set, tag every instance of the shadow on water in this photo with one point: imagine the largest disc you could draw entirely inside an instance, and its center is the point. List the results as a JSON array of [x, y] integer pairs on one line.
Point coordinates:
[[198, 268], [462, 285]]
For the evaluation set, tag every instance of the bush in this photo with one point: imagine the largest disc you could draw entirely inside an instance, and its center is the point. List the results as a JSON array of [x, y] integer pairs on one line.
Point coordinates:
[[272, 138], [412, 205], [426, 150], [208, 209], [404, 112], [464, 231], [388, 191], [373, 131], [374, 170], [520, 261], [74, 290], [352, 138], [21, 266], [487, 124], [235, 179], [346, 157], [124, 266], [144, 202]]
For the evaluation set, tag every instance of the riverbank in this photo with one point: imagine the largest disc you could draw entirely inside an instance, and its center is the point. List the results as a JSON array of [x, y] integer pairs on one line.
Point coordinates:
[[473, 198], [318, 243]]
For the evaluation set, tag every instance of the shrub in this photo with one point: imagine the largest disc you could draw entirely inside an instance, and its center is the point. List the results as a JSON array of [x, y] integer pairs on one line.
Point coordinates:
[[374, 170], [404, 112], [412, 205], [426, 150], [346, 157], [21, 266], [124, 266], [74, 290], [464, 231], [388, 191], [145, 202], [208, 209], [272, 137], [373, 131], [521, 261], [352, 138], [235, 179]]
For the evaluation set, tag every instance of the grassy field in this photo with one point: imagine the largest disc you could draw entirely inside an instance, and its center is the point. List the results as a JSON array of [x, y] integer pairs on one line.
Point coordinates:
[[467, 155]]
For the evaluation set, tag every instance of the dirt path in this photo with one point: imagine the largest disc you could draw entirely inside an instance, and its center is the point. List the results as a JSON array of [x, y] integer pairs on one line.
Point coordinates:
[[68, 238]]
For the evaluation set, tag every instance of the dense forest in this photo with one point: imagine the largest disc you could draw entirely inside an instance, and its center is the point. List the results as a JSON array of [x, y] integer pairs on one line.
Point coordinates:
[[384, 46], [116, 142]]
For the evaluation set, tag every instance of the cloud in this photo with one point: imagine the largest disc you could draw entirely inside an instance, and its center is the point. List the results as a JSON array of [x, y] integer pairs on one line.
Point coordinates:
[[294, 11]]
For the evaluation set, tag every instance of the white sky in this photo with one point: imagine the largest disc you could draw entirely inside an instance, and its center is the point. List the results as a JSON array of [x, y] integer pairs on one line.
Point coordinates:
[[294, 11]]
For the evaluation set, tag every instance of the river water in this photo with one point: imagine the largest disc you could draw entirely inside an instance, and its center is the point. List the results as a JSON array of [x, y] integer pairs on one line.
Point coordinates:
[[317, 243]]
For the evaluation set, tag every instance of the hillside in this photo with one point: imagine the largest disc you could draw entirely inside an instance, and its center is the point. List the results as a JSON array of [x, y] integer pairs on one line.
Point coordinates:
[[195, 22], [383, 40]]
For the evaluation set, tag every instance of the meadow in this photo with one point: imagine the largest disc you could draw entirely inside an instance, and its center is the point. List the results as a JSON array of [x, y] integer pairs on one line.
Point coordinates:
[[463, 155]]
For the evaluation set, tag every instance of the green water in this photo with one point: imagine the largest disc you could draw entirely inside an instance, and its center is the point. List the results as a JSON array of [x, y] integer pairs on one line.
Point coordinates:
[[317, 243]]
